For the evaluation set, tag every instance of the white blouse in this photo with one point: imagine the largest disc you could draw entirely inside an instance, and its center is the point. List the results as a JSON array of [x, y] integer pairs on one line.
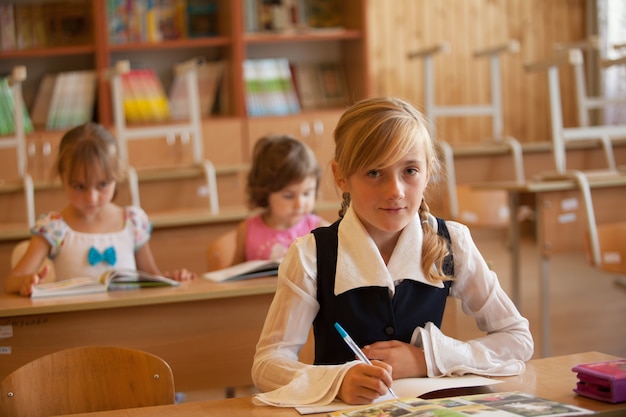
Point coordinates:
[[503, 350]]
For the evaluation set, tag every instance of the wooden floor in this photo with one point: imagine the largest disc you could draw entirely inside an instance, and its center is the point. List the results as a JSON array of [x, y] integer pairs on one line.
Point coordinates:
[[588, 306]]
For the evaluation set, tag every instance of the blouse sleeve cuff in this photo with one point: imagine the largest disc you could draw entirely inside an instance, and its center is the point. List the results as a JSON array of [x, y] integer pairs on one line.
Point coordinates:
[[446, 356]]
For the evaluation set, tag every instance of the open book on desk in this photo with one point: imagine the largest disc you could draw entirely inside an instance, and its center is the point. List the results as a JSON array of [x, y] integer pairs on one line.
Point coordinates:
[[244, 270], [404, 387], [502, 404], [113, 279]]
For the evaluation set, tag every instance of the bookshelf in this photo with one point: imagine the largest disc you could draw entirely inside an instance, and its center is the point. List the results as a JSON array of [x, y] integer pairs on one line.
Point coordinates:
[[228, 135], [93, 49]]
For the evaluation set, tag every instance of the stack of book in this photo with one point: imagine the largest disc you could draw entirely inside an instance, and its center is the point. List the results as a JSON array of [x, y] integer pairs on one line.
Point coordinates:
[[160, 20], [210, 76], [65, 100], [270, 90], [144, 98], [290, 15], [7, 115], [320, 85], [26, 25]]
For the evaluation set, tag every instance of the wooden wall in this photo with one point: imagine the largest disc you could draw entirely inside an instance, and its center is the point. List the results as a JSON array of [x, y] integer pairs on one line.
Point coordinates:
[[398, 27]]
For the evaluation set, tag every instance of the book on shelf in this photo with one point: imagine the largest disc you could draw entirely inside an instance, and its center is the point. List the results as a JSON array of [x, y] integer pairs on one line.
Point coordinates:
[[8, 38], [604, 381], [320, 84], [202, 18], [146, 20], [244, 270], [323, 13], [270, 90], [23, 26], [7, 110], [111, 280], [290, 15], [67, 99], [210, 75], [502, 404], [287, 86], [144, 99]]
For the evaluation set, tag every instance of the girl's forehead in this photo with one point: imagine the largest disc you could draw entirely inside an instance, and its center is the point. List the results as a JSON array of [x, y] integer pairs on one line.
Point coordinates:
[[92, 172], [415, 154]]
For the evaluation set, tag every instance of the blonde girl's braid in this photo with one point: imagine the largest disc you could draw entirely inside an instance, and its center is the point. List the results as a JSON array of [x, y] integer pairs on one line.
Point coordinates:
[[345, 203], [434, 248]]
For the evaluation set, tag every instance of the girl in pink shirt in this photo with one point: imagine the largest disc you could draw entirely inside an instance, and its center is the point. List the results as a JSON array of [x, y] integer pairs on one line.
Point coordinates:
[[283, 182]]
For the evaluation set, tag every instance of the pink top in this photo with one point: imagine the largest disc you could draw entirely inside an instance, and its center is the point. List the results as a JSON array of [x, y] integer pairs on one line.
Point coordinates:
[[263, 242]]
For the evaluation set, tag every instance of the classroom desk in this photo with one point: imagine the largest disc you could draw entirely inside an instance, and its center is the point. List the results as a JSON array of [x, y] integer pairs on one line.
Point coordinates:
[[549, 378], [206, 331], [560, 226]]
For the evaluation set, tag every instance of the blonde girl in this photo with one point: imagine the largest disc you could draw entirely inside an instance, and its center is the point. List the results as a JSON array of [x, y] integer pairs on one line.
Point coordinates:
[[383, 272]]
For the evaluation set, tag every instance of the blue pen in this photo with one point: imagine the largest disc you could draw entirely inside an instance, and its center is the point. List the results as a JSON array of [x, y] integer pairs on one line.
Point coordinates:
[[357, 351]]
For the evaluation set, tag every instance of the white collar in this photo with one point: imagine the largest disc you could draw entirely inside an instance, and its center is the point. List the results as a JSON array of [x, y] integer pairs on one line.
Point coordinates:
[[359, 263]]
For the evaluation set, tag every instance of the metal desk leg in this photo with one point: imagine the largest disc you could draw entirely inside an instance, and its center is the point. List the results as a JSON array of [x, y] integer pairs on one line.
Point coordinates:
[[546, 327], [514, 198]]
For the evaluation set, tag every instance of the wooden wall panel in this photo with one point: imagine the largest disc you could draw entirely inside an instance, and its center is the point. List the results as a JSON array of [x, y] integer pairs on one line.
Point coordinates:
[[401, 26]]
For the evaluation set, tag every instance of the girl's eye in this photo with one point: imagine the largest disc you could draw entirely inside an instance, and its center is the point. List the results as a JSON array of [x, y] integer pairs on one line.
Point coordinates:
[[102, 185], [78, 187], [412, 171], [373, 173]]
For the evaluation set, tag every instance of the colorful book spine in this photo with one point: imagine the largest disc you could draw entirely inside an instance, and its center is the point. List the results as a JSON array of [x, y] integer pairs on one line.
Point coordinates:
[[7, 27]]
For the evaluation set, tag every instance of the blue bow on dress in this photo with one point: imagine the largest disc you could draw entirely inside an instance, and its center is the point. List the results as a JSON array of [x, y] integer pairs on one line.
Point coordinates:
[[107, 256]]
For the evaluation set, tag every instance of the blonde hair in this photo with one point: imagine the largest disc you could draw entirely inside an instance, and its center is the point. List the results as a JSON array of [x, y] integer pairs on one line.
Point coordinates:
[[85, 146], [378, 132]]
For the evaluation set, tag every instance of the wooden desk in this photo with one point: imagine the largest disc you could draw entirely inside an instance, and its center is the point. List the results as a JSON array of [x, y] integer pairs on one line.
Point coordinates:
[[549, 378], [560, 225], [206, 331]]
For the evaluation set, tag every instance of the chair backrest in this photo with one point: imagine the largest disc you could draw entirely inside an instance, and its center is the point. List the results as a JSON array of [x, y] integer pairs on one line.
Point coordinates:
[[18, 252], [611, 238], [221, 251], [87, 379]]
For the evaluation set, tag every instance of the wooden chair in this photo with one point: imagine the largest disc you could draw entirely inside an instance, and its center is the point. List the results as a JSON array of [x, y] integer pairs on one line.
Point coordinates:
[[87, 379], [458, 194], [23, 181], [611, 240], [18, 252], [221, 251]]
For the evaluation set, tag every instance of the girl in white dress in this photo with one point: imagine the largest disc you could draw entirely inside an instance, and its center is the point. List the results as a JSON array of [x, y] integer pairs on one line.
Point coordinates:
[[91, 234]]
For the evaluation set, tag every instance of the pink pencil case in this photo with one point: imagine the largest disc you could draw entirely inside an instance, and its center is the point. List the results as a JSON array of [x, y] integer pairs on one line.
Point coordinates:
[[604, 381]]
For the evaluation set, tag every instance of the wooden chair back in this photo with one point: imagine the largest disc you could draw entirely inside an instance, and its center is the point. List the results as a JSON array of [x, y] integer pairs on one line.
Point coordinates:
[[87, 379], [221, 251], [20, 249], [612, 242]]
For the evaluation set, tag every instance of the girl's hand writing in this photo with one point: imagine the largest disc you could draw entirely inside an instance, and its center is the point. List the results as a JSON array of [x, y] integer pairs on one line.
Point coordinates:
[[406, 360], [363, 383]]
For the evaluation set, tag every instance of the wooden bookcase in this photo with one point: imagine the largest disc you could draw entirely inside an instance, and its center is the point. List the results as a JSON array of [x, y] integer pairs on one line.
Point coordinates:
[[93, 50], [229, 136]]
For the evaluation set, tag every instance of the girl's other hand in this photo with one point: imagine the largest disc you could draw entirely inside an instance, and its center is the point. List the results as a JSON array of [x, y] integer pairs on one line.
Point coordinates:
[[406, 360], [182, 275], [363, 383], [33, 279]]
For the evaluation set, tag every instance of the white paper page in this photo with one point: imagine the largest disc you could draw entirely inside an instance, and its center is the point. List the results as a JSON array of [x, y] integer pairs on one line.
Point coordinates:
[[410, 387]]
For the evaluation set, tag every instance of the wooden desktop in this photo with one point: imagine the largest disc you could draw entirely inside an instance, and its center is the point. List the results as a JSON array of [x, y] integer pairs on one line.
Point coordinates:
[[206, 331], [549, 378]]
